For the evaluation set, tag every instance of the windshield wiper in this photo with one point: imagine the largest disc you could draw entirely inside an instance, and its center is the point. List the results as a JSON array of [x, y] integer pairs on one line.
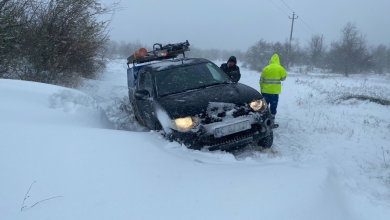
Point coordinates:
[[171, 93], [200, 87], [212, 84]]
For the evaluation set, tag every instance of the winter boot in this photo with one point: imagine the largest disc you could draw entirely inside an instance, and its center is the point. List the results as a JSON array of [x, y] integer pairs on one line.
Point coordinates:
[[274, 125]]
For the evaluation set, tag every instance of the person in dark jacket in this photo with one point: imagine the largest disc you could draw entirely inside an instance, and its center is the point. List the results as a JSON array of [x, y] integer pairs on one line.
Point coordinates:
[[232, 69]]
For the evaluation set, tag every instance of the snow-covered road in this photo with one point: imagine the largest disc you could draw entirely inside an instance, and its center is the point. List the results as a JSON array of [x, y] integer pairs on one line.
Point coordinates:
[[330, 158]]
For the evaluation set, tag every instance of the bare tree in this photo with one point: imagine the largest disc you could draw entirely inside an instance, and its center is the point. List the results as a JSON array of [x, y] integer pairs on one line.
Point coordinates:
[[61, 40], [14, 14], [281, 50], [315, 50], [258, 55], [350, 53], [379, 58]]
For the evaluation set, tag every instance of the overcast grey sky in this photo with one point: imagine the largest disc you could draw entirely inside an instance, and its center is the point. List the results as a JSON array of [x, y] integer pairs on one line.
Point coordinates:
[[228, 24]]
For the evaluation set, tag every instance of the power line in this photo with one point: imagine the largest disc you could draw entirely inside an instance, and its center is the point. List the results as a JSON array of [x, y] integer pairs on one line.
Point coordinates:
[[287, 6], [278, 7], [303, 27], [300, 17], [288, 15], [308, 25]]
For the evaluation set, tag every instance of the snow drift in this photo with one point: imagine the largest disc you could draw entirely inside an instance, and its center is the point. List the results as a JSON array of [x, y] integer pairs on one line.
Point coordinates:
[[61, 139]]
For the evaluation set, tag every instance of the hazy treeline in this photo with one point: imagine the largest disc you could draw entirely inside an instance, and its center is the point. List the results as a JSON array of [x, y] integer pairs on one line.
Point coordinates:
[[52, 41], [61, 41], [351, 53], [123, 50]]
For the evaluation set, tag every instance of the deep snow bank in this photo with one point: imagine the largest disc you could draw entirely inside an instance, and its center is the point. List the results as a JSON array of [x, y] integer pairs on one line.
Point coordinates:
[[42, 104], [54, 136]]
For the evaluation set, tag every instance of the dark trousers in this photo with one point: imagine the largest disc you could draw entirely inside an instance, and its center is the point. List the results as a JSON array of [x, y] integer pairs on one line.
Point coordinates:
[[272, 101]]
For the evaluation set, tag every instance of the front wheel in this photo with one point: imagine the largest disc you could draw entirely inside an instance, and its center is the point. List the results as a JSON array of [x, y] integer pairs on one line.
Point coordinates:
[[266, 142], [137, 116], [157, 126]]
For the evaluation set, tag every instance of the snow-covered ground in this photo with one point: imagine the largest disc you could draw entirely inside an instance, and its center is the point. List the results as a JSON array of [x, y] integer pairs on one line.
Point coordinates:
[[330, 159]]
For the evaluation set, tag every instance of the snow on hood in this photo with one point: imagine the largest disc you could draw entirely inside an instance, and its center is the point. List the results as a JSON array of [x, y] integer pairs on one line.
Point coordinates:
[[216, 108], [197, 101]]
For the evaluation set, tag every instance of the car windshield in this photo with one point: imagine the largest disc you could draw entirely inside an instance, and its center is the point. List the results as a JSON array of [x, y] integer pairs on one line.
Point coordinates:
[[189, 77]]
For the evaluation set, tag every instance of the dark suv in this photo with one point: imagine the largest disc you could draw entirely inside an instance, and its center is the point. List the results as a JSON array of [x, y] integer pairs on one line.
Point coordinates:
[[195, 103]]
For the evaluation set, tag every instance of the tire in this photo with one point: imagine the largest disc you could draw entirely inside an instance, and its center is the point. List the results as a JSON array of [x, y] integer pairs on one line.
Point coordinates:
[[138, 120], [267, 141], [136, 114], [157, 126]]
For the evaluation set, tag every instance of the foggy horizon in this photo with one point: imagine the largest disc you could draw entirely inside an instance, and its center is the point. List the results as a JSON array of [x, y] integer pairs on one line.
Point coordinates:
[[233, 25]]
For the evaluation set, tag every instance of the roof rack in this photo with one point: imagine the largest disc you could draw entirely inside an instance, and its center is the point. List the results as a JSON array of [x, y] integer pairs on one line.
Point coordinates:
[[159, 52]]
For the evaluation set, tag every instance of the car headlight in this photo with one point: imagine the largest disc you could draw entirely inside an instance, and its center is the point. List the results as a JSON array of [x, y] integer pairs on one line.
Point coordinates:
[[184, 124], [258, 105]]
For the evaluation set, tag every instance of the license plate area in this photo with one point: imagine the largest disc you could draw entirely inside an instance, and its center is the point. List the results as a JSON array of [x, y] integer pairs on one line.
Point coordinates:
[[232, 128]]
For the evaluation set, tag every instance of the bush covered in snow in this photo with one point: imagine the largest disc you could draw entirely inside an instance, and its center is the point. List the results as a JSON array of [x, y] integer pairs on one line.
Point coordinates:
[[55, 42]]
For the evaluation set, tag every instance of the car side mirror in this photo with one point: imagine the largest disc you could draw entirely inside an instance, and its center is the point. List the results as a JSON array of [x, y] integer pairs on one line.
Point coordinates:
[[142, 94]]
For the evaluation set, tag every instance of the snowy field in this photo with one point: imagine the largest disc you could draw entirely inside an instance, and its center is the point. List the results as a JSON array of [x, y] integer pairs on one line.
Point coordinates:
[[77, 154]]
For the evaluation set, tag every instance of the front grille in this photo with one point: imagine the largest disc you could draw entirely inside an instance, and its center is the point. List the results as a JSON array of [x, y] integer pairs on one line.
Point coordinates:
[[231, 138], [240, 112], [210, 120], [236, 137]]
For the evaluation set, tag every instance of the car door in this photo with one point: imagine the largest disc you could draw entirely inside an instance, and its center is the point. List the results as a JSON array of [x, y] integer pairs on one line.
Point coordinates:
[[145, 106]]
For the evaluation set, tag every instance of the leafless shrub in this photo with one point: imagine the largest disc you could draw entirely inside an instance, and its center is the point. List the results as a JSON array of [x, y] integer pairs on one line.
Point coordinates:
[[14, 15], [27, 196], [61, 41], [363, 98], [259, 54]]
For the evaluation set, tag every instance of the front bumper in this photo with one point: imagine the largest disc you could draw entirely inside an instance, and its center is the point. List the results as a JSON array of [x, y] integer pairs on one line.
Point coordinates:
[[260, 129]]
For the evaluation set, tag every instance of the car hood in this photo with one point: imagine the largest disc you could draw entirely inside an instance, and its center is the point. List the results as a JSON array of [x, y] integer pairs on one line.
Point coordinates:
[[195, 102]]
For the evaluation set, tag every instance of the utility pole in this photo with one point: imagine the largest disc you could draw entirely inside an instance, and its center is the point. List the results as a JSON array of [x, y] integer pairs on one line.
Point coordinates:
[[289, 45]]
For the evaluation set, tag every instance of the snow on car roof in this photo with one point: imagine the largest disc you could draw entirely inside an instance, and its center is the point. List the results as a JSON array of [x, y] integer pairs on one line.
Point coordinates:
[[167, 64]]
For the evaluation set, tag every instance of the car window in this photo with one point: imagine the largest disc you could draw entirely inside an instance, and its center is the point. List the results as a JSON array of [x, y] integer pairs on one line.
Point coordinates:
[[145, 82], [215, 72], [188, 77]]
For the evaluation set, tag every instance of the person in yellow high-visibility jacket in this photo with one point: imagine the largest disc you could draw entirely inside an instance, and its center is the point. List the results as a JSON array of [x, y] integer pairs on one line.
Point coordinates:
[[270, 83]]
